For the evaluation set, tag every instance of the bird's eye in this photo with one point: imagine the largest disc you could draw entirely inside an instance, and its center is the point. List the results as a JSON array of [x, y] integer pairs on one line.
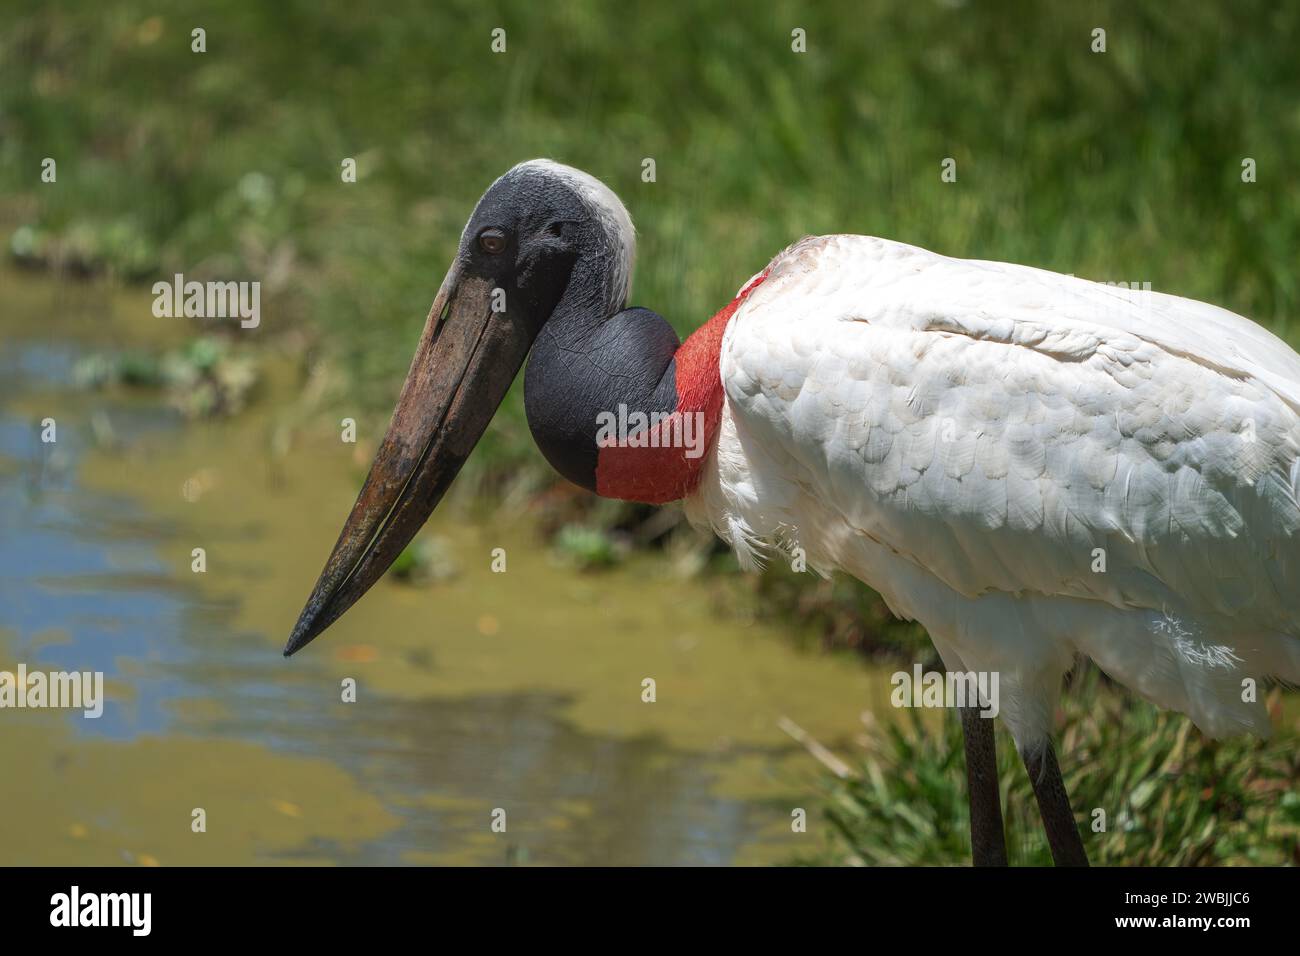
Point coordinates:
[[492, 241]]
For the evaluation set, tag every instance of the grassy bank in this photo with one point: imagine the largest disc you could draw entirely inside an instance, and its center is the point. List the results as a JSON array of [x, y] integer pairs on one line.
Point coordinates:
[[1123, 165], [1168, 796]]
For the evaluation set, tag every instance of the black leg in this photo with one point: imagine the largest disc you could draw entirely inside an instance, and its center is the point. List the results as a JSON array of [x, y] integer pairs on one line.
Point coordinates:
[[1054, 805], [987, 840]]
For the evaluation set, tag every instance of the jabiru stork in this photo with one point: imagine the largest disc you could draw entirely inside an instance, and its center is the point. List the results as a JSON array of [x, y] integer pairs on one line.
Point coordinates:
[[1033, 466]]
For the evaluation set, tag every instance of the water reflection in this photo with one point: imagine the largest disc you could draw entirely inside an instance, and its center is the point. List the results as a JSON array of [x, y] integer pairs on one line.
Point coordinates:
[[94, 551]]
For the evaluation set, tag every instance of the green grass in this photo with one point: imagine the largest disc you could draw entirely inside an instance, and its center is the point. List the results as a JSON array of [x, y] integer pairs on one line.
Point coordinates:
[[1168, 797], [1123, 165]]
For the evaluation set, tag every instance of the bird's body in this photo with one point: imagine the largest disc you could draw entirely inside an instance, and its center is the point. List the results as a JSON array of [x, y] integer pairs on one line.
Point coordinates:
[[1029, 464]]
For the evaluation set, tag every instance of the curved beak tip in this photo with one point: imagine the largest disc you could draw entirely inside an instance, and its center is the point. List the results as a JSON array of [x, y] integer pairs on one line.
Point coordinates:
[[297, 641], [306, 630], [462, 369]]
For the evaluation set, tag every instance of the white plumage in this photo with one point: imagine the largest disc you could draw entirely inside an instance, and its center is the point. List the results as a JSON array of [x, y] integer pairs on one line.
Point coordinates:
[[972, 439]]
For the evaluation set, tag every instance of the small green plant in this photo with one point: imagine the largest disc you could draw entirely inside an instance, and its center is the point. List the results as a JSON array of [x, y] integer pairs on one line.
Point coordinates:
[[206, 377], [425, 561], [587, 548]]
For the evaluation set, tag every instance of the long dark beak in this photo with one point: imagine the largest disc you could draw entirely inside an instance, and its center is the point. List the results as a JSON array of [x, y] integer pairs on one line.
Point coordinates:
[[462, 369]]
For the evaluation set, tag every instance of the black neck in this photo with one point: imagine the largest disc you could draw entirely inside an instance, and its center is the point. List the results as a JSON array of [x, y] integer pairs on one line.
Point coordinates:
[[583, 365]]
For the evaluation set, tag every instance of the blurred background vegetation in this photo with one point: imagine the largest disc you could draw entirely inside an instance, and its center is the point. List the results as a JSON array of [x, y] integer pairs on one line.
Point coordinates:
[[1119, 166]]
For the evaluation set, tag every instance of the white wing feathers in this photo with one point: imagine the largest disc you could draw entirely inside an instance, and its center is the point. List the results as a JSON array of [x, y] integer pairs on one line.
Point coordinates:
[[1024, 438]]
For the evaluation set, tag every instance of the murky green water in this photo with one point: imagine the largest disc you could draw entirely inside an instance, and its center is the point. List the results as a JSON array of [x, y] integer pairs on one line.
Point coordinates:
[[519, 691]]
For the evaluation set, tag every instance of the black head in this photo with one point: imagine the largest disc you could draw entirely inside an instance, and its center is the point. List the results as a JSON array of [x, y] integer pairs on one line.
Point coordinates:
[[545, 240], [535, 224]]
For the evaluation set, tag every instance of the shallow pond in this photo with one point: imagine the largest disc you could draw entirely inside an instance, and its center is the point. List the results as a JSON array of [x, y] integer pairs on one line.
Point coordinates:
[[518, 692]]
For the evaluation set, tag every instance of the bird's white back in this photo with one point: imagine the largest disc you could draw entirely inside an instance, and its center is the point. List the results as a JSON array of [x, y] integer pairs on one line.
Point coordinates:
[[975, 439]]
